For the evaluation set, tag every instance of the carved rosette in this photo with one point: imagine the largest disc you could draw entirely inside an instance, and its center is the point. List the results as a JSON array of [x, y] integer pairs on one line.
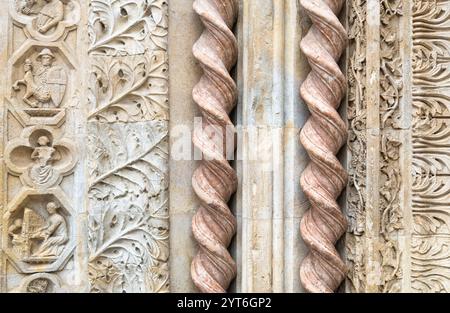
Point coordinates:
[[214, 181], [323, 135]]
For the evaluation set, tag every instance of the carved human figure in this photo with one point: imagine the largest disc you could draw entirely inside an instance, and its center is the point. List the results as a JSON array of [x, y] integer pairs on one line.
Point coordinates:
[[50, 15], [47, 16], [47, 85], [43, 156], [54, 233]]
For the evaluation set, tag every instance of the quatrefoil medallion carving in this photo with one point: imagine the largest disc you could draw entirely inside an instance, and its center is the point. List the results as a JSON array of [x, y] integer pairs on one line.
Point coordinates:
[[39, 159]]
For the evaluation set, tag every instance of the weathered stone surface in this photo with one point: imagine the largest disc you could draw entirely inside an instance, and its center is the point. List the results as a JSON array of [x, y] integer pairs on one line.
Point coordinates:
[[97, 198], [85, 151]]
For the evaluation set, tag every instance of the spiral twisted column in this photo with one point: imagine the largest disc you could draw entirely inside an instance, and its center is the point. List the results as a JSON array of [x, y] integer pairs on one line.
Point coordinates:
[[215, 181], [322, 136]]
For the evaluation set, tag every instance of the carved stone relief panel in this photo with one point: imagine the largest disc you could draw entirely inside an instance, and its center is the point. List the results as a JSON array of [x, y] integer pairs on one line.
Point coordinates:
[[39, 212], [128, 221], [409, 216], [45, 20], [374, 107]]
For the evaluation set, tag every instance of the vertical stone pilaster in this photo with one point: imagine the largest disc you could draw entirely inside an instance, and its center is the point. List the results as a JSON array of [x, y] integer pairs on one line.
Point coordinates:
[[269, 203], [296, 25], [260, 116], [380, 190], [184, 74]]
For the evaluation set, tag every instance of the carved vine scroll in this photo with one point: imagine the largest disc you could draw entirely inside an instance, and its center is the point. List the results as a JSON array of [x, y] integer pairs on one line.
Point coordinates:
[[323, 135], [391, 86], [215, 180], [357, 143]]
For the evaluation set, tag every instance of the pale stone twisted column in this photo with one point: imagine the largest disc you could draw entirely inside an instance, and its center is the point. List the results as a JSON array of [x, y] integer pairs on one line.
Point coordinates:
[[215, 181], [322, 136]]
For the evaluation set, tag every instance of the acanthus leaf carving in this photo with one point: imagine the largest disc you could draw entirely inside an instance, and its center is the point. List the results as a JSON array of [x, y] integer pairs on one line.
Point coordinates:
[[120, 27], [128, 220], [129, 90], [128, 225], [430, 170]]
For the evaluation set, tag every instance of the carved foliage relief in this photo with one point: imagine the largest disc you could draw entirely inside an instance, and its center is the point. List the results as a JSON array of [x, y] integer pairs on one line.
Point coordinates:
[[357, 115], [391, 86], [40, 155], [431, 140], [385, 240], [128, 173]]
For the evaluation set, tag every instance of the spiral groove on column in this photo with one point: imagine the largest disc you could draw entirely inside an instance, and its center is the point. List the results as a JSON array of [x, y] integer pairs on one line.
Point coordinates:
[[323, 135], [215, 181]]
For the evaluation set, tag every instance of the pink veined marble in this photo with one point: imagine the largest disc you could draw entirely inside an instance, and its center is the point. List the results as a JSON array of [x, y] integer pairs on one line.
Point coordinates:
[[323, 135], [214, 181]]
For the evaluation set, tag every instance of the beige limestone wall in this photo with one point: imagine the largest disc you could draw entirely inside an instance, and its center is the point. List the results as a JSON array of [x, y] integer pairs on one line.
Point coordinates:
[[185, 29]]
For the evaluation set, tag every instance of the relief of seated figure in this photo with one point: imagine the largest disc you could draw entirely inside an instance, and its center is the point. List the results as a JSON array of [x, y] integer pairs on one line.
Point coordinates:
[[54, 234], [48, 16], [43, 156], [37, 239]]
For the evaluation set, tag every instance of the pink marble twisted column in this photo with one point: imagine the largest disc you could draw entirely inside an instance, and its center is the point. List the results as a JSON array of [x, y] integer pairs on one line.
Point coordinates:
[[322, 136], [214, 181]]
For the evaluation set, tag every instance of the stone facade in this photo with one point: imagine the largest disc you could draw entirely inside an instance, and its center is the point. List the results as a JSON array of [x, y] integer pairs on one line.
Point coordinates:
[[224, 145]]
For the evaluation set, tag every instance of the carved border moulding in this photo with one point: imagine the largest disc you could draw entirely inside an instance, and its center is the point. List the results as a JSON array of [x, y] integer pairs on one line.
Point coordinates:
[[39, 159], [431, 140], [357, 144], [215, 180], [128, 208], [47, 20], [38, 230], [391, 85], [322, 136]]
